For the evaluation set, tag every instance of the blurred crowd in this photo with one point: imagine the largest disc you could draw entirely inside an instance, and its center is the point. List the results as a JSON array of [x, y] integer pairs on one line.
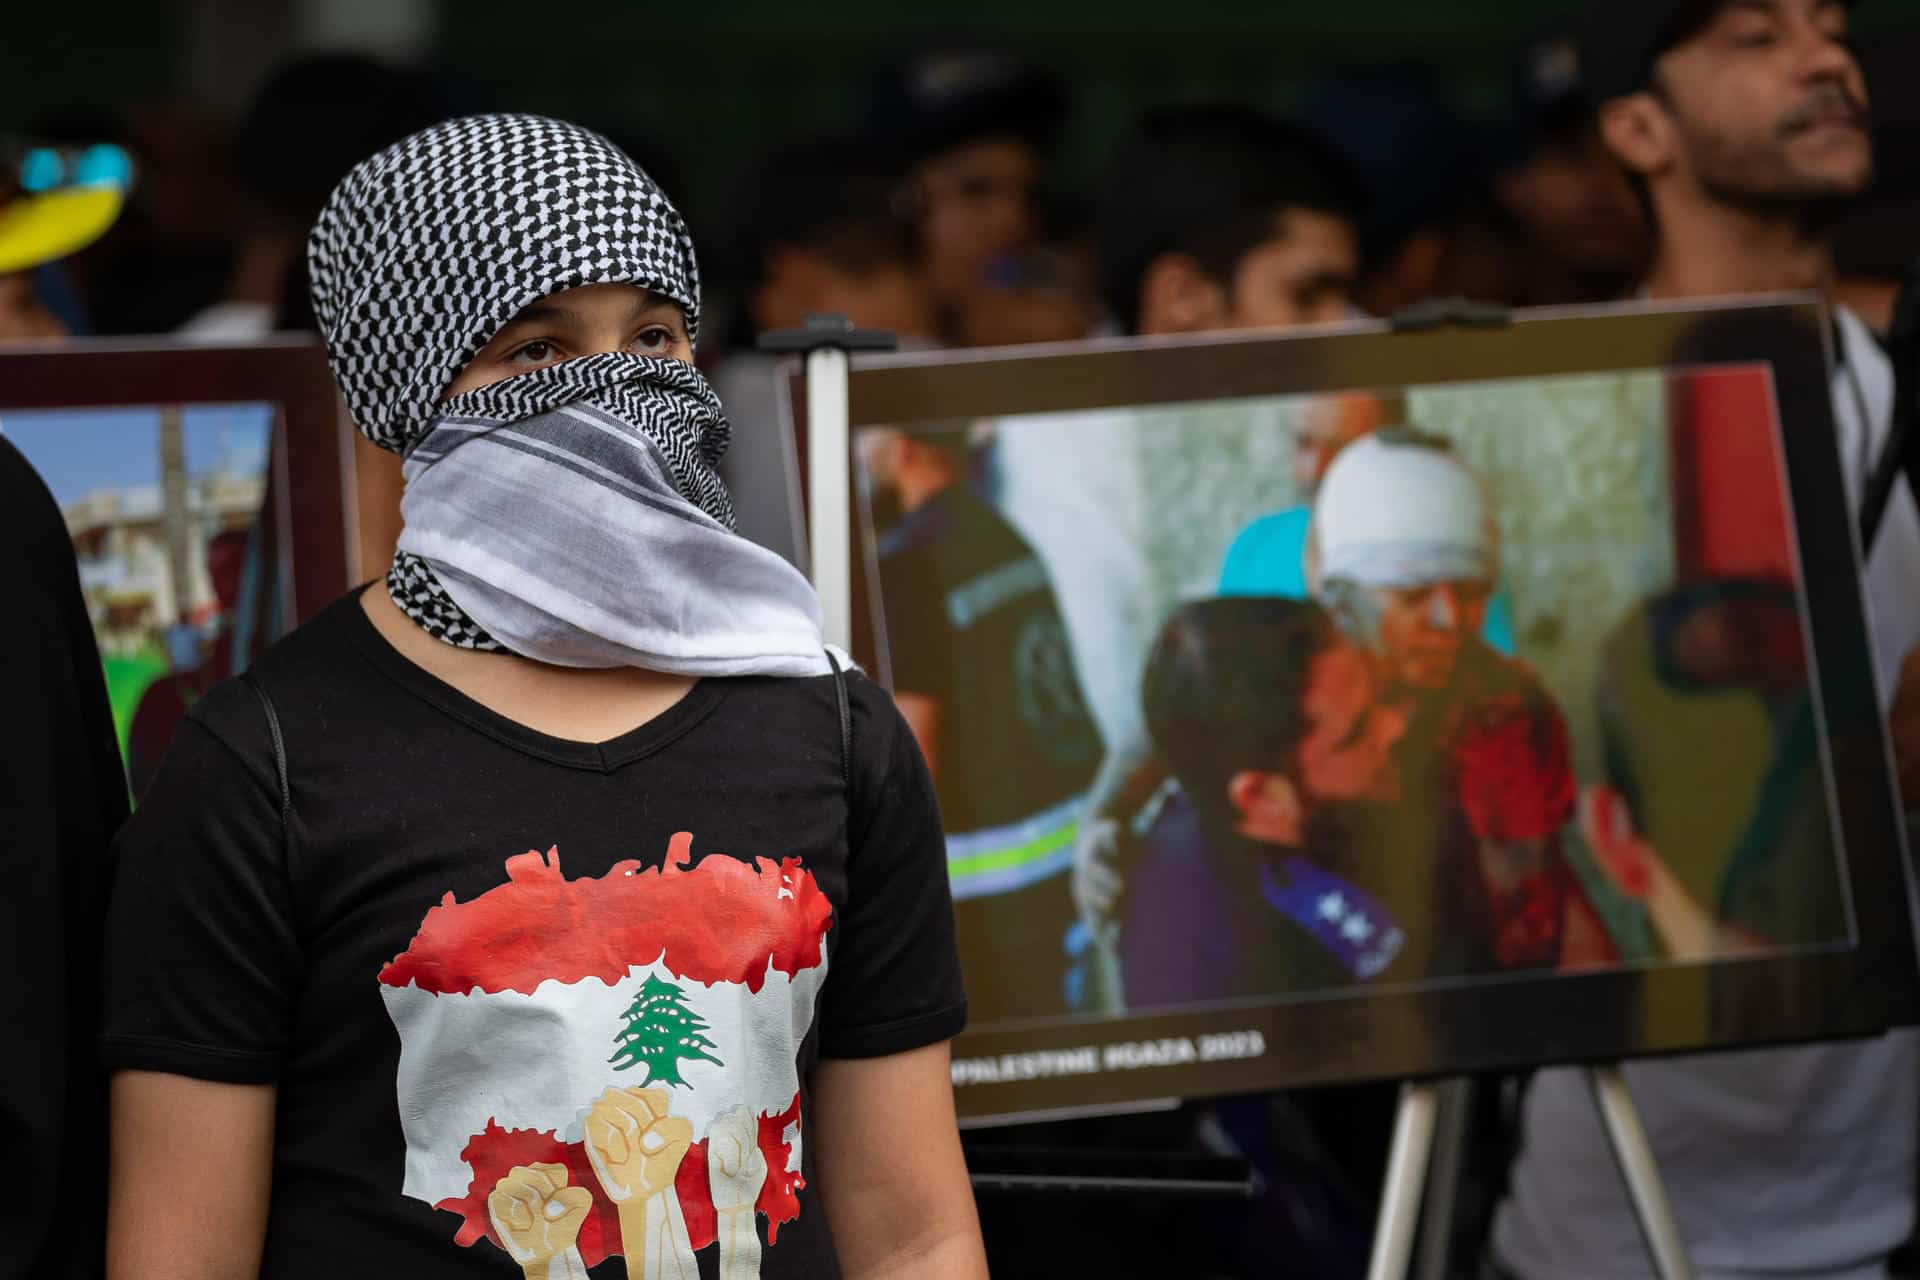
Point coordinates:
[[942, 212]]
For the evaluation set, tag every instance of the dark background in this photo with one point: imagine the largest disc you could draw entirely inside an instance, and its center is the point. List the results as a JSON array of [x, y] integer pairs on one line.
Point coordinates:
[[708, 82]]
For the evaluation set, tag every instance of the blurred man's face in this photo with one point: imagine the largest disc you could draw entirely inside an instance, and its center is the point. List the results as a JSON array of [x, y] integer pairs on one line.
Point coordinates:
[[881, 295], [1574, 196], [1421, 629], [892, 297], [1324, 426], [1347, 751], [1304, 275], [1769, 104], [977, 203]]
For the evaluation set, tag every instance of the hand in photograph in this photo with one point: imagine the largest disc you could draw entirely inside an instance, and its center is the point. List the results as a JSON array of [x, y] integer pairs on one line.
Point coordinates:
[[1097, 879], [1687, 930]]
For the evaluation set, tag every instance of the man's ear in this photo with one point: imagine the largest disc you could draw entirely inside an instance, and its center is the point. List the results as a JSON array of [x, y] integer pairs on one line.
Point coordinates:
[[1178, 296], [1269, 806], [1639, 132]]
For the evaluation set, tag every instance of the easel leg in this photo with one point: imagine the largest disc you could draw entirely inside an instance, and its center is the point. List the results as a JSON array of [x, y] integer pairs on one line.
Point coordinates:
[[1443, 1177], [1634, 1154], [829, 542], [1406, 1179]]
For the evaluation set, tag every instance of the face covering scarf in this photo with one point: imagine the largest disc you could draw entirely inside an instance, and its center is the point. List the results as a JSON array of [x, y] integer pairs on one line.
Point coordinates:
[[571, 515], [546, 509]]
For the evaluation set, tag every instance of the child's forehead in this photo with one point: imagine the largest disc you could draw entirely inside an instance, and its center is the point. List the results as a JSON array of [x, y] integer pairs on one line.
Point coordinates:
[[595, 303], [603, 298]]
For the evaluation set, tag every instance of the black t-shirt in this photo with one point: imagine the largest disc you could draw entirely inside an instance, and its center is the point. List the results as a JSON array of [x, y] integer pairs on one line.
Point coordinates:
[[470, 949], [972, 623], [62, 793]]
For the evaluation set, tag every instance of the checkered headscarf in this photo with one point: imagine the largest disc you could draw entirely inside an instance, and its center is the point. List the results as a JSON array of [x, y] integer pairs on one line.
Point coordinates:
[[426, 250]]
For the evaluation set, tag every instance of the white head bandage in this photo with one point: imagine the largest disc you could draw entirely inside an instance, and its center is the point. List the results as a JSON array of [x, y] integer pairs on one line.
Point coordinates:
[[1403, 514]]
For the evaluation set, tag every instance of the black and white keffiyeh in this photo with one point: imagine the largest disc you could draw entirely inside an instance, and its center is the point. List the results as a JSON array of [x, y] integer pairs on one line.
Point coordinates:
[[572, 514]]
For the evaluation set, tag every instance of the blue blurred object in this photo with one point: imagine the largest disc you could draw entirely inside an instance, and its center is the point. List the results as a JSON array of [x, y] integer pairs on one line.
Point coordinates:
[[43, 169], [103, 165]]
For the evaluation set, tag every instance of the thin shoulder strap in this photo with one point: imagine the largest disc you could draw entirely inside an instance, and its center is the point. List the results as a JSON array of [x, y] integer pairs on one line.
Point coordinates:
[[279, 745], [846, 723]]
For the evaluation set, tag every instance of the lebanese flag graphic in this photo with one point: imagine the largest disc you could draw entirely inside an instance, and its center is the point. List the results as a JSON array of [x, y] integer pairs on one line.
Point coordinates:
[[608, 1066]]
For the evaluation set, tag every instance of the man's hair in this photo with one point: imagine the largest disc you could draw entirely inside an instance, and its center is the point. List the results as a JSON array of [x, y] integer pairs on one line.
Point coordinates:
[[318, 116], [1210, 182], [838, 197], [1223, 688]]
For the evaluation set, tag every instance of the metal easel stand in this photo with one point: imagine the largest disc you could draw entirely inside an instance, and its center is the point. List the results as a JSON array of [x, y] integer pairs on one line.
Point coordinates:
[[826, 342], [1415, 1165]]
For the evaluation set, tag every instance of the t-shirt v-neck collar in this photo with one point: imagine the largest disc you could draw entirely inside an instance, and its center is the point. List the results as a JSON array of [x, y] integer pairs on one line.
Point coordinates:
[[604, 757]]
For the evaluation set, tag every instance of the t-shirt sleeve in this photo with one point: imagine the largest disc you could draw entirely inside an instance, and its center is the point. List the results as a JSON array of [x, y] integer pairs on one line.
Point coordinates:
[[893, 978], [202, 957]]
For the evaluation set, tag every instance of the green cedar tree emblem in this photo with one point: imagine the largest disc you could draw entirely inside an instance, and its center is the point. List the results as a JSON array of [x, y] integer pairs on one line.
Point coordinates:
[[661, 1032]]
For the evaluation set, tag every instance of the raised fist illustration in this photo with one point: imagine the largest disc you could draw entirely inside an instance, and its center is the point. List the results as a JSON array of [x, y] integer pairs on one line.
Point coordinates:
[[736, 1170], [736, 1167], [538, 1217], [634, 1145]]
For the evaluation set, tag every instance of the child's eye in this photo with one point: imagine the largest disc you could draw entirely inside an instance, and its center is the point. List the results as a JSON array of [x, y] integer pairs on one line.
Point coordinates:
[[654, 340], [538, 351]]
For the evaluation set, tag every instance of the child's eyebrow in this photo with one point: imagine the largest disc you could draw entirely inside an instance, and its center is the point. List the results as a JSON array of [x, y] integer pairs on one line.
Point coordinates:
[[559, 313], [544, 312]]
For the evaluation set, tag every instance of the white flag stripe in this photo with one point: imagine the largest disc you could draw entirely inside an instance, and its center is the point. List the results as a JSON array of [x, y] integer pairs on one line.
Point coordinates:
[[538, 1061]]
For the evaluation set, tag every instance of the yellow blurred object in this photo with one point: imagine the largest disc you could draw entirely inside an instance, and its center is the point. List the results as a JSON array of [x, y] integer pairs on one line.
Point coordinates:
[[44, 228]]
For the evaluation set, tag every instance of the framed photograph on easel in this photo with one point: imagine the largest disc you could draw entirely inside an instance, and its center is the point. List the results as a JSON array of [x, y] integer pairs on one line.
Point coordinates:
[[1378, 704], [209, 493]]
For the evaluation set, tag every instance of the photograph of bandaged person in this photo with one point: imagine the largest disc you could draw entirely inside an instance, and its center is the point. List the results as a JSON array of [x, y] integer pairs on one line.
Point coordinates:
[[1371, 688]]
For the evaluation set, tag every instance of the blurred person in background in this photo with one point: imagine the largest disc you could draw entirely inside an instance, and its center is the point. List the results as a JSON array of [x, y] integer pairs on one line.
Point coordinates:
[[823, 228], [313, 119], [1745, 126], [1878, 237], [972, 128], [1045, 293], [1414, 154], [55, 200], [62, 792], [1560, 223], [24, 313], [1218, 217], [170, 252]]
